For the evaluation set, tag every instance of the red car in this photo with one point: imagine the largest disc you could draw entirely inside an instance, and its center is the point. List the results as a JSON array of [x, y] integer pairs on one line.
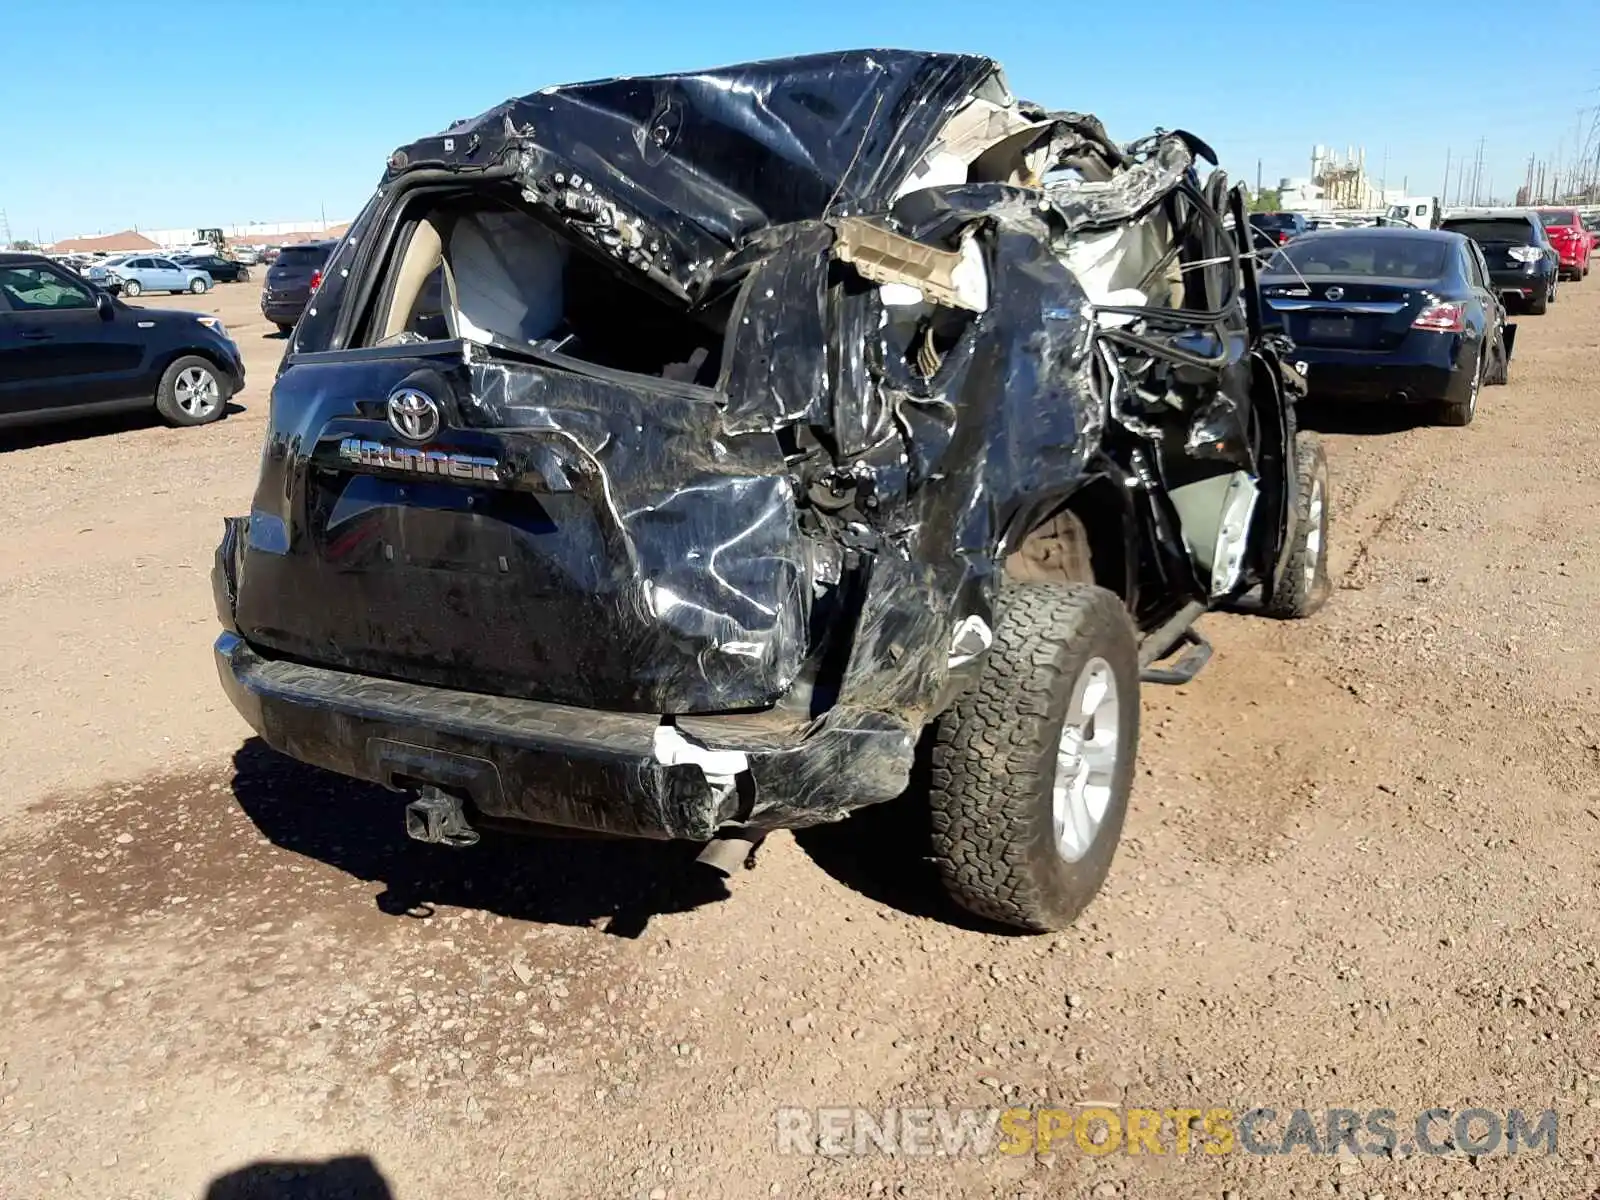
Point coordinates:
[[1570, 237]]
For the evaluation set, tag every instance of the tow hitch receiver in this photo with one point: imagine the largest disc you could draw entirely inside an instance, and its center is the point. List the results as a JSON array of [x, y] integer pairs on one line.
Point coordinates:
[[437, 817]]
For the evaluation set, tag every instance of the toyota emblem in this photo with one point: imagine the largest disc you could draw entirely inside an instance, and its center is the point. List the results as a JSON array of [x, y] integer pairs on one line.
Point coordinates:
[[414, 415], [1335, 293]]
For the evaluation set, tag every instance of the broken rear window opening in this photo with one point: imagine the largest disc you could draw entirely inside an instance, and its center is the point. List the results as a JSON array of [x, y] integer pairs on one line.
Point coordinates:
[[481, 266], [1359, 254]]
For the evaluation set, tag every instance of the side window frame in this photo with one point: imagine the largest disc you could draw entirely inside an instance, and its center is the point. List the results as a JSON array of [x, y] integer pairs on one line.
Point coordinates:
[[62, 280]]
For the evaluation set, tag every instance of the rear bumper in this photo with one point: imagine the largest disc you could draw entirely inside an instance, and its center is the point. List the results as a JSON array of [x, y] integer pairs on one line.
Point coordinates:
[[283, 312], [616, 773], [1427, 374], [1524, 284]]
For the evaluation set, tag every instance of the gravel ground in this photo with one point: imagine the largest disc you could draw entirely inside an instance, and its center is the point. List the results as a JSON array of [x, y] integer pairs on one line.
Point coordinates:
[[1357, 874]]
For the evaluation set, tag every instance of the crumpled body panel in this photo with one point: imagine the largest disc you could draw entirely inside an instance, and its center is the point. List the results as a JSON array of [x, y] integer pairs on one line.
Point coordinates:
[[707, 159], [633, 556]]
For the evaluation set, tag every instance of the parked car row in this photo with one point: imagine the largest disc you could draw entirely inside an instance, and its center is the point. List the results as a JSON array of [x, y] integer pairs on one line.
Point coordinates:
[[1395, 316], [1418, 317]]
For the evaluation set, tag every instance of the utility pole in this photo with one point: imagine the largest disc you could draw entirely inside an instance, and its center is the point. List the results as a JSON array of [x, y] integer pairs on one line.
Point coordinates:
[[1578, 148], [1445, 194], [1258, 178], [5, 229], [1477, 171], [1383, 175]]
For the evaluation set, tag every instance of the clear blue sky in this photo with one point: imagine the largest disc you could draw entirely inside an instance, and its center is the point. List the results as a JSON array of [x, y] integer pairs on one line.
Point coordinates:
[[178, 113]]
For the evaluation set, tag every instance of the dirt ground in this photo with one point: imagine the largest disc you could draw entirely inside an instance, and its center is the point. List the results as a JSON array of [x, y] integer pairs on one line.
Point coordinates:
[[1359, 872]]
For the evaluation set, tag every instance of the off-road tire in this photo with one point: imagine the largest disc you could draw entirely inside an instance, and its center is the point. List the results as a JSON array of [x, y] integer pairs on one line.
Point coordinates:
[[993, 758], [167, 403], [1303, 586], [1461, 412]]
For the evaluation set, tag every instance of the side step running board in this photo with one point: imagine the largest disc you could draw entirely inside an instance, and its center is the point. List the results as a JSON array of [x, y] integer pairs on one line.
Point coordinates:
[[1188, 665], [1177, 630]]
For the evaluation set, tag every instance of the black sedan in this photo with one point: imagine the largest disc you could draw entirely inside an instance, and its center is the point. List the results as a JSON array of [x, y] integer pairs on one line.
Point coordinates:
[[223, 270], [1273, 229], [68, 349], [1403, 316]]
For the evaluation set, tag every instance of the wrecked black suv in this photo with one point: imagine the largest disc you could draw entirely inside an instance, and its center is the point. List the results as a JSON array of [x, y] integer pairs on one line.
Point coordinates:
[[682, 457]]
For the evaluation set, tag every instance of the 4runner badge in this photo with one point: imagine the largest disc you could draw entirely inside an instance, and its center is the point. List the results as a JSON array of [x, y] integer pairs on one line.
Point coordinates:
[[420, 462], [414, 415]]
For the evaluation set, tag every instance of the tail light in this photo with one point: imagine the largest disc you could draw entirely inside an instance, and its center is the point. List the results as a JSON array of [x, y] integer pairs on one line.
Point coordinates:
[[1525, 254], [316, 278], [1283, 237], [1442, 318]]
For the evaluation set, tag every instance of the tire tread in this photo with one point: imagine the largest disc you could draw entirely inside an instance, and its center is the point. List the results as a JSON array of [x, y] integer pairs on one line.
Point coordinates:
[[993, 752]]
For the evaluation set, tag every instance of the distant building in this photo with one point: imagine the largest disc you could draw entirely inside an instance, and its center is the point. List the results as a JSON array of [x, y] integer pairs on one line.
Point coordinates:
[[1338, 183], [128, 239], [256, 233]]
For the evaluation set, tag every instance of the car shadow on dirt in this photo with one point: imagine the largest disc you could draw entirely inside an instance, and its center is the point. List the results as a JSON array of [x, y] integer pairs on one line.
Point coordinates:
[[83, 429], [883, 852], [618, 884], [355, 1177], [1374, 420]]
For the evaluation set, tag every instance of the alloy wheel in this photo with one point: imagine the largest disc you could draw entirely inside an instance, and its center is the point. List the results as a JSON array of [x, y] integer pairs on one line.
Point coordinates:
[[1086, 760], [196, 392]]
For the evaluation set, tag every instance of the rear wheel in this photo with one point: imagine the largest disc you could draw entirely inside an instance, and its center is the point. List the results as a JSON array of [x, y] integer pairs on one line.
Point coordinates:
[[192, 392], [1303, 585], [1538, 305], [1031, 769], [1461, 412]]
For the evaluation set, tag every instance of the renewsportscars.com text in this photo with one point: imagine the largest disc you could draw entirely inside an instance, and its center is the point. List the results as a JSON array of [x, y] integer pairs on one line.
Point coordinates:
[[1097, 1130]]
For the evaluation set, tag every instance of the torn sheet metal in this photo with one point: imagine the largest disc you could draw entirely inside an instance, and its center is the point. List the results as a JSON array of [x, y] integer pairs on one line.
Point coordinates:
[[697, 163]]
